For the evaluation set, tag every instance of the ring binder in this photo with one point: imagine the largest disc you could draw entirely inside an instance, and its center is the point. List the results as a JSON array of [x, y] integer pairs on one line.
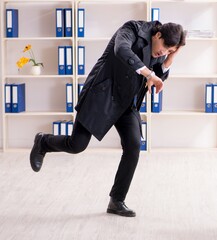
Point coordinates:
[[81, 21], [81, 60], [59, 22], [12, 23]]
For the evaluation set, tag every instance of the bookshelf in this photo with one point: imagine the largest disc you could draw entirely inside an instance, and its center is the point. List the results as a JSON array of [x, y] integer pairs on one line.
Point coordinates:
[[45, 93], [182, 124], [184, 92]]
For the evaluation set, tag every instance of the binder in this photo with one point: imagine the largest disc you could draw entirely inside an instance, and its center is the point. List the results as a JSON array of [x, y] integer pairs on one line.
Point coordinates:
[[155, 14], [214, 109], [156, 100], [81, 60], [143, 106], [12, 23], [68, 22], [143, 146], [59, 22], [81, 21], [61, 60], [56, 127], [8, 98], [80, 87], [63, 127], [69, 128], [18, 98], [69, 97], [68, 65], [208, 97]]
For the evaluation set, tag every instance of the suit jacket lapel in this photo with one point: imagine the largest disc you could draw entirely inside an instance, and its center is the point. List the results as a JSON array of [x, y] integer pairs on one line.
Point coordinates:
[[146, 55], [145, 33]]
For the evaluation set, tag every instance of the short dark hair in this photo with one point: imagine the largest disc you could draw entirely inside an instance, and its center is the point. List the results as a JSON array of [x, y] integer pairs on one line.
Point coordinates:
[[172, 34]]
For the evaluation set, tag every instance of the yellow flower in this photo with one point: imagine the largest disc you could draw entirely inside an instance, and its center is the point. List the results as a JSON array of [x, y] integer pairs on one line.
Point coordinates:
[[22, 61], [27, 48]]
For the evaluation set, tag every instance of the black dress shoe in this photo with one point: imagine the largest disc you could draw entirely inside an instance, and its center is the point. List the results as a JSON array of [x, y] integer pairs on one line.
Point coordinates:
[[119, 208], [37, 154]]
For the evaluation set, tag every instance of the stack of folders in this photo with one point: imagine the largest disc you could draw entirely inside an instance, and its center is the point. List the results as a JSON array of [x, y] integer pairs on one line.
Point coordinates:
[[211, 97], [200, 34], [65, 66], [12, 23], [63, 22], [143, 146], [81, 22], [69, 97], [15, 100], [62, 127], [143, 106], [156, 100]]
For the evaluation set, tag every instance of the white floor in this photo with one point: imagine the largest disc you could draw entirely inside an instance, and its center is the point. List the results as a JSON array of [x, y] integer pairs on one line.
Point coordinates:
[[173, 194]]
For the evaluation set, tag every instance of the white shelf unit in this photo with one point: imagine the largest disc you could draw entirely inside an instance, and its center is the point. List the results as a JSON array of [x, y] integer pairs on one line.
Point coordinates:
[[46, 93], [183, 123]]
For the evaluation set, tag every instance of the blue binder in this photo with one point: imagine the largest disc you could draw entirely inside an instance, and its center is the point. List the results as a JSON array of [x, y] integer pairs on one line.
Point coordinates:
[[59, 22], [209, 97], [61, 60], [81, 60], [156, 100], [69, 128], [18, 98], [155, 14], [80, 87], [81, 22], [8, 98], [143, 146], [68, 60], [214, 107], [143, 106], [56, 127], [68, 22], [63, 125], [12, 23], [69, 97]]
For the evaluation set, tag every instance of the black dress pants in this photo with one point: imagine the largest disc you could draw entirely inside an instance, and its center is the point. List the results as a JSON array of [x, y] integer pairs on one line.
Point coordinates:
[[129, 129]]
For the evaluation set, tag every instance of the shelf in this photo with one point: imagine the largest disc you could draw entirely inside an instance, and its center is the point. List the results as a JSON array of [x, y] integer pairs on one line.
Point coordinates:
[[193, 76], [111, 1], [94, 39], [82, 76], [39, 76], [210, 76], [22, 114], [184, 149], [38, 39], [35, 1], [201, 39], [184, 113], [185, 1]]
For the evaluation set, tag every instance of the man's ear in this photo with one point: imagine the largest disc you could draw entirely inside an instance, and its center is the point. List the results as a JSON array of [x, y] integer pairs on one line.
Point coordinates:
[[158, 35]]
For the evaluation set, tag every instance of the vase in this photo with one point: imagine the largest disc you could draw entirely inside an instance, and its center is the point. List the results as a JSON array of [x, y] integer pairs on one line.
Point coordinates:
[[36, 70]]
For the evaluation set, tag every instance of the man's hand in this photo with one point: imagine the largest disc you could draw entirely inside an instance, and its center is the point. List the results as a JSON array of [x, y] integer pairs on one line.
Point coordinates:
[[169, 60], [153, 80], [157, 82]]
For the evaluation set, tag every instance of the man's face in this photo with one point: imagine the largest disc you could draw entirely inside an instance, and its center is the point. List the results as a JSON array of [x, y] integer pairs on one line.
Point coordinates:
[[158, 47]]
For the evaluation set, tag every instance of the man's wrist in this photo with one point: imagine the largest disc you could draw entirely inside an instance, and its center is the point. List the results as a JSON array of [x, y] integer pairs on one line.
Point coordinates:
[[151, 74]]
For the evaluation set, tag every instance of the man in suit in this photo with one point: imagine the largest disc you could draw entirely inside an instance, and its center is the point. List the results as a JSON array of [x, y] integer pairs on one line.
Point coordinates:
[[137, 57]]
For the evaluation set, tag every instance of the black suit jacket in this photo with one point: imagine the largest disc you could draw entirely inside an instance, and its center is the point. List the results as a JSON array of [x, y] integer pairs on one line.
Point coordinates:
[[113, 82]]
